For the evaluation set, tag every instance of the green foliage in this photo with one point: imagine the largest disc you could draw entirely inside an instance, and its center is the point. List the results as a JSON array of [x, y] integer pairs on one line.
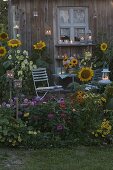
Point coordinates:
[[103, 56], [3, 15], [41, 57], [59, 123], [20, 62], [11, 130], [74, 86]]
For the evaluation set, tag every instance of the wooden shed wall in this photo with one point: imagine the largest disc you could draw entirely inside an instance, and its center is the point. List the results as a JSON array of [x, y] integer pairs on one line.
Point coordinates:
[[32, 28]]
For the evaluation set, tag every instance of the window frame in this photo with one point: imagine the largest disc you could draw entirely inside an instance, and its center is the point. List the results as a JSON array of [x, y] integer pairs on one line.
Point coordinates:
[[71, 25]]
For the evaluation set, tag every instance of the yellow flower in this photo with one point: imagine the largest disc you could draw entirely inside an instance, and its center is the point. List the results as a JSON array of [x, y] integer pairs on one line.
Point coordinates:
[[103, 99], [99, 130], [19, 139], [39, 45], [79, 98], [103, 46], [85, 74], [3, 36], [82, 93], [70, 65], [14, 43], [65, 58], [30, 132], [74, 61], [14, 143], [96, 135], [2, 51], [66, 66], [26, 114]]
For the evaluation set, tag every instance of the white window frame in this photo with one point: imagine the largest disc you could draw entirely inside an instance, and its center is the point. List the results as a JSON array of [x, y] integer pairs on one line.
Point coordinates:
[[71, 25]]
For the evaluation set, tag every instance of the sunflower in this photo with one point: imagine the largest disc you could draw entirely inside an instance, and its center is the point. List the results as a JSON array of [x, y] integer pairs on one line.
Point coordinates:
[[70, 65], [39, 45], [14, 43], [85, 74], [103, 46], [65, 58], [79, 98], [3, 36], [80, 92], [74, 61], [66, 66], [2, 51]]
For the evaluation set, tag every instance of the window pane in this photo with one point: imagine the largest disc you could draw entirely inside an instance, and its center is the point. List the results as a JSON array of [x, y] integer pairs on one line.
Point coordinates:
[[64, 16], [65, 34], [79, 16], [78, 32]]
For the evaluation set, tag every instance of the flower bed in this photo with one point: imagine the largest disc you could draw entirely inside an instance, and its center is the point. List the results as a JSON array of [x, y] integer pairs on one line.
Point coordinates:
[[80, 118]]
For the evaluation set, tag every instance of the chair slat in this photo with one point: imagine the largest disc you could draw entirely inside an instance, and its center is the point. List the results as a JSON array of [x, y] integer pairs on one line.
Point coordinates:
[[40, 75]]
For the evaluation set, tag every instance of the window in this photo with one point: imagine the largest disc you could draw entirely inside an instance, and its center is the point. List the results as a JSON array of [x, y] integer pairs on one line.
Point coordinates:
[[72, 23]]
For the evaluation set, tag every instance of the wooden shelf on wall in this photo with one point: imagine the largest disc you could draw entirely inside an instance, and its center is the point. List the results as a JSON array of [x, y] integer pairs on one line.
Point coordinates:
[[74, 44]]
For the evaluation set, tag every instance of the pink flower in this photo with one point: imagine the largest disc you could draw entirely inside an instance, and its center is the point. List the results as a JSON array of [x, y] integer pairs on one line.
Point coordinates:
[[60, 127], [50, 116]]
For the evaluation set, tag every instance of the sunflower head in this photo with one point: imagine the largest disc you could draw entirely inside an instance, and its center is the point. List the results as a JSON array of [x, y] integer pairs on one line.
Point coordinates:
[[65, 58], [103, 47], [78, 97], [39, 45], [66, 66], [14, 43], [70, 65], [2, 51], [74, 62], [3, 36], [85, 74]]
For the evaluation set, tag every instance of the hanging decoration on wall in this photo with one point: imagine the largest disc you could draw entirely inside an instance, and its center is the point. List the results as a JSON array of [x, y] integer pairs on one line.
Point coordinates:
[[47, 26]]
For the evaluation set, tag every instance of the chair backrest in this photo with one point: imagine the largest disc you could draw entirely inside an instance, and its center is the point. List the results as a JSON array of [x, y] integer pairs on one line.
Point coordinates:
[[40, 75]]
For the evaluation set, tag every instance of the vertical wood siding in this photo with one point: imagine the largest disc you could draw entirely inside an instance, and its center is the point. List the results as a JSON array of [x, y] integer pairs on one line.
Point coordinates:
[[32, 29]]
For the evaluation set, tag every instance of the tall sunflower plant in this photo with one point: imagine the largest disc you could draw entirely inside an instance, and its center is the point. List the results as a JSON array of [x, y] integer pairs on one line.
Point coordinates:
[[40, 56], [13, 58], [103, 50], [86, 73]]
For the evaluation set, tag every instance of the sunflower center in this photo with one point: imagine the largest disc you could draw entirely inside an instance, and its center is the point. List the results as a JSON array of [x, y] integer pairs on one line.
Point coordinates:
[[1, 51], [104, 46], [14, 42], [74, 62], [3, 36], [39, 46], [85, 74]]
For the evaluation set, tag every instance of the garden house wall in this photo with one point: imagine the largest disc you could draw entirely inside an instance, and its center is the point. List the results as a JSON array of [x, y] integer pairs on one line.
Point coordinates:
[[34, 17]]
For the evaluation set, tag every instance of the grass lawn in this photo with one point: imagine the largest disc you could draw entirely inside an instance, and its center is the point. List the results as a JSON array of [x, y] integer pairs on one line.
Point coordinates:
[[79, 158]]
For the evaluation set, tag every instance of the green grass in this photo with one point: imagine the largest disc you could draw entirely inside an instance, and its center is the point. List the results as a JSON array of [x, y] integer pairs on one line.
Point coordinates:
[[80, 158]]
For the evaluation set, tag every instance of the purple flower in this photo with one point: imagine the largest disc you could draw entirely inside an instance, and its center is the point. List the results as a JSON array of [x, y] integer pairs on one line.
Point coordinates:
[[60, 127], [35, 102], [26, 101], [61, 100], [37, 98], [50, 116]]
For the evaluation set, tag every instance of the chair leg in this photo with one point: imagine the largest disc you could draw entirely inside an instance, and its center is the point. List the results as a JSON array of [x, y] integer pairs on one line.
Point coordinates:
[[43, 95]]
